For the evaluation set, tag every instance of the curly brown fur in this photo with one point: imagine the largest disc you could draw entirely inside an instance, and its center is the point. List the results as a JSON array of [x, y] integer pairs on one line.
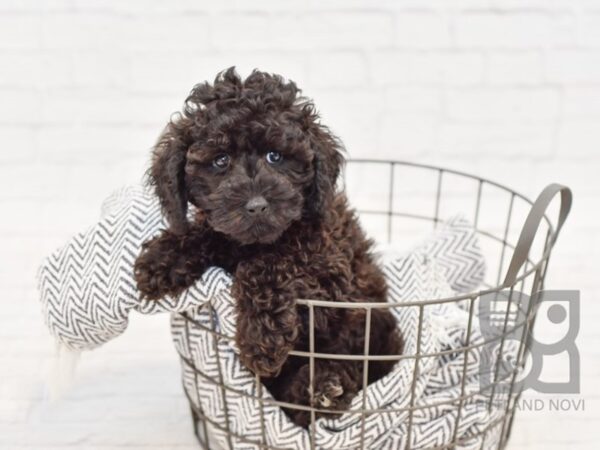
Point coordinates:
[[254, 159]]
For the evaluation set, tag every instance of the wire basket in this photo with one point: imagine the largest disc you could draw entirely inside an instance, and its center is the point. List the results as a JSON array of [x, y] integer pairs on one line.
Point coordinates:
[[398, 200]]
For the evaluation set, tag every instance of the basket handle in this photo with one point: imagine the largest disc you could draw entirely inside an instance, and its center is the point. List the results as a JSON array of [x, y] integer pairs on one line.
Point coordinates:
[[532, 223]]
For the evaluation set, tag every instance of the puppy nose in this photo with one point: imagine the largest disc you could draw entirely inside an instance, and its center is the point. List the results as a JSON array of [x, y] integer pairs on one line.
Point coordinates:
[[257, 205]]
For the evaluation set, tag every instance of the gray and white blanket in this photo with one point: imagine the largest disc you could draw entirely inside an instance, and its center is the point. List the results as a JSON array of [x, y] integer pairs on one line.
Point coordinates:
[[87, 292]]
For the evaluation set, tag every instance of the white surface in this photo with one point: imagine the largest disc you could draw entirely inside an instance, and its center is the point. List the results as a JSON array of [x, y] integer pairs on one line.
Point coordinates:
[[506, 89]]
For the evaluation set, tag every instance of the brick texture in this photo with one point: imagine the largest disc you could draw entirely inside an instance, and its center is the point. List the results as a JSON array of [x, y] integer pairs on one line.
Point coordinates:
[[506, 89]]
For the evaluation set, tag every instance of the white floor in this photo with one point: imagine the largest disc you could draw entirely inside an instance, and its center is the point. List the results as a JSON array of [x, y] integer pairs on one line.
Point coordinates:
[[125, 394]]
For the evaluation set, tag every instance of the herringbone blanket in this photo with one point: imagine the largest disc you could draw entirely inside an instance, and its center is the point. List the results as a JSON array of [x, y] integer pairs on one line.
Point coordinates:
[[87, 292]]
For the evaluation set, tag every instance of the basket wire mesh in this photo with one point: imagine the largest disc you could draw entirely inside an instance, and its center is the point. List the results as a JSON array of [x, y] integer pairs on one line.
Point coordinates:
[[527, 267]]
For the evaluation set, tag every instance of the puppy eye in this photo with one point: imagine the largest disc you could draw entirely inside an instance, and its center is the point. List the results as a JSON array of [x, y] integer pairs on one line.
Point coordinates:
[[221, 161], [274, 157]]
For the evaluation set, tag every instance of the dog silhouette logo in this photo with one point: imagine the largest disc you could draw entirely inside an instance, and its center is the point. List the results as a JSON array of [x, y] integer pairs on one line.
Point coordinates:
[[512, 359]]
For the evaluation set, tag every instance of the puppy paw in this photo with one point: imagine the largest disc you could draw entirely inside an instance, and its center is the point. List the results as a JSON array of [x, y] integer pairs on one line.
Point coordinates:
[[329, 392], [263, 365], [163, 269], [267, 356], [265, 340]]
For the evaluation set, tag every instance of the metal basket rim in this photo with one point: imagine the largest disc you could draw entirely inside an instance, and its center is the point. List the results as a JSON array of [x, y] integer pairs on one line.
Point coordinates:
[[455, 298]]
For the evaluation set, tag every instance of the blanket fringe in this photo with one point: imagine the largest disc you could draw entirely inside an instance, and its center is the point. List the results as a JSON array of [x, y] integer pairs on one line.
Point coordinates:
[[62, 370]]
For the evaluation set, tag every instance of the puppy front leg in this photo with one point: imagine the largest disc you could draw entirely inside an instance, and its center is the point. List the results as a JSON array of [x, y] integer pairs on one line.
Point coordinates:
[[265, 340], [170, 263], [267, 324]]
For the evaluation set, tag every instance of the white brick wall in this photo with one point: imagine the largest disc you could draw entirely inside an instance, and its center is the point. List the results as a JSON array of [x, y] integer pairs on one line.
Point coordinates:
[[507, 89]]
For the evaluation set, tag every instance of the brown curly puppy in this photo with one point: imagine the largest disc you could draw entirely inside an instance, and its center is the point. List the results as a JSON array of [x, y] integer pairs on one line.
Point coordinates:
[[252, 156]]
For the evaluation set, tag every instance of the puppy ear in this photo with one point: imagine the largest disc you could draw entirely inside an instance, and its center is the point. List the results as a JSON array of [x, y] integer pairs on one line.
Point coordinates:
[[327, 163], [167, 174]]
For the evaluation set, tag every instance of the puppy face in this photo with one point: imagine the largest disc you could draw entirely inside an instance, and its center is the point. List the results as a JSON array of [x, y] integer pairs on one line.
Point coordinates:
[[250, 154], [252, 185]]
